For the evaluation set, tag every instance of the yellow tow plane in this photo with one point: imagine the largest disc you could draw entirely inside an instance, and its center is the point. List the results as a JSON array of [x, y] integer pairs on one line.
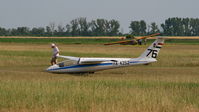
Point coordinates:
[[134, 41]]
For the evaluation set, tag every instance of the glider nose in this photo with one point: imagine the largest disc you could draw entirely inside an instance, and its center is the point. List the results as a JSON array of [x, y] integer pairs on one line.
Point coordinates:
[[52, 68]]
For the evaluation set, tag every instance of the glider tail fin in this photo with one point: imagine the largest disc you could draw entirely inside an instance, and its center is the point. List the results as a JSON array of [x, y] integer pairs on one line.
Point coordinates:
[[152, 51]]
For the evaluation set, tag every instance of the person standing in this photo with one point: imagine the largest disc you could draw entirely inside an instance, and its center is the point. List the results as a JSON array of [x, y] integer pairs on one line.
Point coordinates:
[[55, 51]]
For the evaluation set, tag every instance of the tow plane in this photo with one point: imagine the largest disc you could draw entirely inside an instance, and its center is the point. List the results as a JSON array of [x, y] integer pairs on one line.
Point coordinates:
[[91, 65], [134, 41]]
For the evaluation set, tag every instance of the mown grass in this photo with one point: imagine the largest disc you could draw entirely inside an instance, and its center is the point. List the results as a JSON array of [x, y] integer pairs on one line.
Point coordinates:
[[170, 85]]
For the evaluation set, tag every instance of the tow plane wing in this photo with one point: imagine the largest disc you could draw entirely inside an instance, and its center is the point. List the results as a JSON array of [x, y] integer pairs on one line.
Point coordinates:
[[152, 35]]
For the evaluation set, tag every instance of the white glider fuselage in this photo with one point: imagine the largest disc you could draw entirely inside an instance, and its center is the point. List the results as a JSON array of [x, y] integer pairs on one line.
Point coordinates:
[[89, 65], [92, 67]]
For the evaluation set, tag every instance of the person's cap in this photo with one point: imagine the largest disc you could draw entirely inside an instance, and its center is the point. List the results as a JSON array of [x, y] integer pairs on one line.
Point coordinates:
[[53, 45]]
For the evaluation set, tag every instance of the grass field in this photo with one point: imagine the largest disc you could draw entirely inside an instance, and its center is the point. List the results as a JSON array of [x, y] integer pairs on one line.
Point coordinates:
[[169, 85], [85, 40]]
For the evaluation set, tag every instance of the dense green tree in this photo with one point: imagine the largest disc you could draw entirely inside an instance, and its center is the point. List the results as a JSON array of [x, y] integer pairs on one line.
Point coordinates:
[[167, 27], [98, 27], [142, 27], [181, 26], [113, 26], [138, 27], [186, 26], [154, 28], [68, 30], [20, 31], [135, 27], [83, 26], [52, 28], [38, 31], [102, 27], [60, 30], [48, 31], [3, 32], [74, 27]]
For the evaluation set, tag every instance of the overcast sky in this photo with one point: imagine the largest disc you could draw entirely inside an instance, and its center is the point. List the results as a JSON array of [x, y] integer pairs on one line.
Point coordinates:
[[39, 13]]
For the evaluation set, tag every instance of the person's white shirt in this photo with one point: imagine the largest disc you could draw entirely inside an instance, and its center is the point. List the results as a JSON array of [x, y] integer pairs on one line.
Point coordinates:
[[55, 51]]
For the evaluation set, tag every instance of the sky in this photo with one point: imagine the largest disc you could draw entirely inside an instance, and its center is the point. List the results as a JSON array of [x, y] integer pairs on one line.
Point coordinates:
[[39, 13]]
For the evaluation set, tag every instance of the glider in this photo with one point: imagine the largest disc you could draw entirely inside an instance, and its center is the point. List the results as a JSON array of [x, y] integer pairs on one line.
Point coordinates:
[[91, 65]]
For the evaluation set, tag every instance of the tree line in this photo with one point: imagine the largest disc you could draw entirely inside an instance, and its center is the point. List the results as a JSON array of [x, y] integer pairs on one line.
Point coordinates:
[[102, 27], [76, 27]]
